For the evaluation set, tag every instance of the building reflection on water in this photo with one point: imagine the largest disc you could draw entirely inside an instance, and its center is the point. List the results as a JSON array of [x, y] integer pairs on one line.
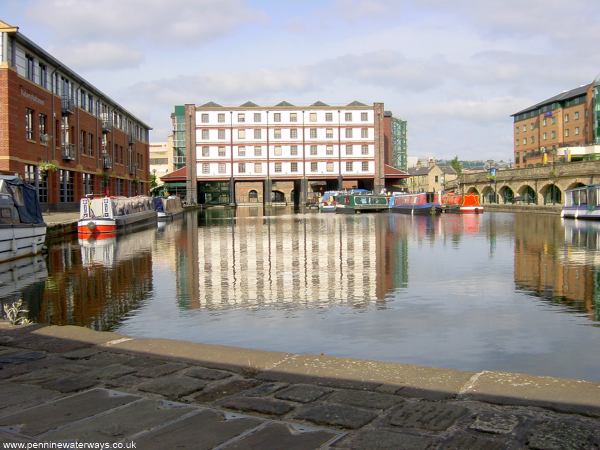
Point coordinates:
[[559, 261]]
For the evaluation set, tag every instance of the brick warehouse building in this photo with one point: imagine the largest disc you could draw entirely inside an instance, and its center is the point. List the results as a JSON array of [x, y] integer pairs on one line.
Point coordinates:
[[62, 134], [564, 127], [279, 154]]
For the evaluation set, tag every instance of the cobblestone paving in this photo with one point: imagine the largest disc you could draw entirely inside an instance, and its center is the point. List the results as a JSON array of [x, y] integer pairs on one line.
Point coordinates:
[[93, 394]]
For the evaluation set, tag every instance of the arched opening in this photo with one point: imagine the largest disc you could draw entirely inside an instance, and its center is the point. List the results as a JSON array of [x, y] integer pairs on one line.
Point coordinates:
[[507, 195], [551, 194], [488, 195], [527, 195], [277, 197], [575, 185], [253, 196], [473, 190]]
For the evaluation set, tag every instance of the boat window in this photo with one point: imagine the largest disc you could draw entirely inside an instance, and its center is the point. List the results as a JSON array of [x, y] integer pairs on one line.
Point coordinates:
[[583, 197], [592, 200], [17, 194], [575, 195]]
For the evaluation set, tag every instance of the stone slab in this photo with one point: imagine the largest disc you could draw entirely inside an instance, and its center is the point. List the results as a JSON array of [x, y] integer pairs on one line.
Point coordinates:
[[207, 374], [495, 423], [519, 389], [364, 399], [257, 404], [264, 389], [277, 436], [202, 431], [336, 415], [78, 334], [14, 397], [377, 439], [20, 357], [46, 417], [160, 370], [425, 415], [363, 374], [567, 434], [111, 371], [82, 353], [71, 383], [462, 441], [172, 386], [225, 388], [302, 393], [121, 423]]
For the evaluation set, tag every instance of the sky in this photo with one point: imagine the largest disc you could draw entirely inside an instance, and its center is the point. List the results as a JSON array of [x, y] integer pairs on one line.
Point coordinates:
[[455, 71]]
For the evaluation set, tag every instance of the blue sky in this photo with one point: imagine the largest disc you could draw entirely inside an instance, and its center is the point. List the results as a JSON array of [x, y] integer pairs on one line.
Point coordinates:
[[455, 70]]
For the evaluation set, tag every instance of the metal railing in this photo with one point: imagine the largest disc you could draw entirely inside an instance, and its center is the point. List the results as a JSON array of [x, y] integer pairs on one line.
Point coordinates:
[[68, 151], [107, 162], [67, 105]]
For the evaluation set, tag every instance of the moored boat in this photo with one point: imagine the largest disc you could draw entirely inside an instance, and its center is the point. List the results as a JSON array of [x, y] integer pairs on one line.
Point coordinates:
[[22, 227], [327, 202], [110, 214], [418, 203], [582, 202], [457, 203], [359, 202], [167, 207]]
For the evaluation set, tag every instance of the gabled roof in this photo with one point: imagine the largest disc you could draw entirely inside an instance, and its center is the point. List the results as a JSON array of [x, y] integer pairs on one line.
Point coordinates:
[[319, 103], [211, 105], [416, 171], [581, 90], [284, 103], [448, 170], [6, 27], [249, 105], [393, 172], [178, 175], [356, 103]]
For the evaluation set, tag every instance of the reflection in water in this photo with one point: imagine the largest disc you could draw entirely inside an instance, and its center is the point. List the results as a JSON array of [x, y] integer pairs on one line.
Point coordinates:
[[559, 261], [23, 278]]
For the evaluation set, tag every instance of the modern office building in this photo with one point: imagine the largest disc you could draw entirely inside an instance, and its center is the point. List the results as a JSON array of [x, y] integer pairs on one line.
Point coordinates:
[[396, 146], [281, 153], [162, 159], [565, 127], [60, 132]]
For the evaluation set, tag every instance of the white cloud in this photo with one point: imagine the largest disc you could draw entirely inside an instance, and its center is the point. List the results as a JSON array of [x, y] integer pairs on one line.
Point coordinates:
[[99, 55]]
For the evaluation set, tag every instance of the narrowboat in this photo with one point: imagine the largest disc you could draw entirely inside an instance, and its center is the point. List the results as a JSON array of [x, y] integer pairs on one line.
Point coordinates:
[[102, 215], [582, 202], [456, 203], [167, 207], [359, 202], [418, 203], [327, 202], [22, 227]]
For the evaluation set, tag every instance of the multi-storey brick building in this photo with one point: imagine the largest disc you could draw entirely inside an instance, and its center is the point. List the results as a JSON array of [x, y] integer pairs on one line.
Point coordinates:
[[280, 153], [60, 132], [564, 127]]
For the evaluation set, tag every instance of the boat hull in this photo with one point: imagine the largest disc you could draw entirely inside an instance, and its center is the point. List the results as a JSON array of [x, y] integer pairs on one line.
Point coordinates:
[[20, 240], [417, 209], [580, 213], [103, 225], [164, 216]]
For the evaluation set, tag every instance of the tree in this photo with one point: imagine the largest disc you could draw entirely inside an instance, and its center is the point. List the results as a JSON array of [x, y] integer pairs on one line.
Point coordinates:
[[153, 181], [456, 165]]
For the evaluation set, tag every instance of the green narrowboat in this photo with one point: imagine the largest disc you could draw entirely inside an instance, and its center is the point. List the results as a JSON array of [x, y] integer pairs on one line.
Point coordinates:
[[352, 203]]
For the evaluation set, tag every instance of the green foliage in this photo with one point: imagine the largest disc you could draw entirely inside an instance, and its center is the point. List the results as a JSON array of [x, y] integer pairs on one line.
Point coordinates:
[[456, 165], [47, 166], [153, 182], [15, 314]]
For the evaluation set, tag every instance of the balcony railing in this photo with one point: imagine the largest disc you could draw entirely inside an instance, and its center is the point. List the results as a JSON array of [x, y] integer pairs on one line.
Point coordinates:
[[107, 124], [44, 138], [107, 162], [68, 151], [132, 169], [131, 139], [67, 105]]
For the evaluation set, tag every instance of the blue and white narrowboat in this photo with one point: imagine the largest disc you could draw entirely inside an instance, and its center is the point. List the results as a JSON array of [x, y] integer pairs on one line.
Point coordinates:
[[582, 202]]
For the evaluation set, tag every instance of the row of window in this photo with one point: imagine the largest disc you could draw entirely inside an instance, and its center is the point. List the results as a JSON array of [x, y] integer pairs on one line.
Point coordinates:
[[293, 117], [277, 133], [545, 122], [277, 150], [545, 136], [30, 126], [278, 167]]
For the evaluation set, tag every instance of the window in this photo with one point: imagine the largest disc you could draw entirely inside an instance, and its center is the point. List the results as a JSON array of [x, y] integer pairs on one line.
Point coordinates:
[[277, 150], [348, 132], [90, 144], [221, 167], [241, 117], [257, 117], [277, 117], [204, 133], [576, 130], [258, 150], [329, 150], [204, 118], [364, 116], [566, 118], [278, 167], [348, 149], [329, 167], [257, 168], [30, 67], [277, 133], [313, 150], [221, 150], [532, 139], [293, 117], [531, 126], [553, 135], [42, 128], [66, 186], [257, 133], [205, 151], [313, 167], [82, 140], [364, 133], [30, 173], [205, 168], [364, 149], [90, 104], [554, 121], [293, 133], [348, 117], [524, 128], [241, 167], [43, 187], [221, 134], [241, 134], [329, 117], [221, 118], [29, 124], [436, 178], [329, 133], [241, 151], [524, 141], [294, 150], [312, 117], [294, 167], [576, 114], [43, 75], [566, 132], [543, 122], [365, 166], [88, 183], [313, 133], [544, 136], [348, 166]]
